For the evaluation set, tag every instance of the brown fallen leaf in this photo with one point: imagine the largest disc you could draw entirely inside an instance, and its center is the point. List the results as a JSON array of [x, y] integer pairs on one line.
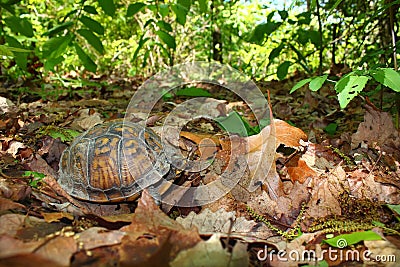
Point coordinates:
[[11, 223], [153, 239], [378, 130], [198, 137], [364, 185], [10, 246], [86, 119], [23, 260], [58, 249], [50, 217], [26, 227], [301, 172], [226, 224], [51, 151], [324, 199], [261, 154], [261, 162], [8, 204], [15, 189], [285, 134], [320, 158], [95, 237], [288, 135]]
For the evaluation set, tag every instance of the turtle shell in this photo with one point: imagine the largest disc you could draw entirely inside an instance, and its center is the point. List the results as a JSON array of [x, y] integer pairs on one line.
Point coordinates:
[[112, 162]]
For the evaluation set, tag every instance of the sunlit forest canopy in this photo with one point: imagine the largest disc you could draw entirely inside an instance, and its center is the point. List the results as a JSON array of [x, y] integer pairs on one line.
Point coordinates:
[[264, 39]]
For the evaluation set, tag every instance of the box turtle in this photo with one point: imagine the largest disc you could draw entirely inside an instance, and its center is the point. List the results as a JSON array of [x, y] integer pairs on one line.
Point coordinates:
[[112, 162]]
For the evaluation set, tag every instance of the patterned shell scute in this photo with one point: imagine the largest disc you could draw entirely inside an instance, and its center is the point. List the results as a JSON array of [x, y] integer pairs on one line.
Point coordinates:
[[105, 163]]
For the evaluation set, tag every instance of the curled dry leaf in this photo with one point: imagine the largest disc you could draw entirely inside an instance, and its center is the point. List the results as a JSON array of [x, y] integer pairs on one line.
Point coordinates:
[[211, 253], [14, 147], [261, 153], [153, 239], [285, 134], [288, 135], [261, 162]]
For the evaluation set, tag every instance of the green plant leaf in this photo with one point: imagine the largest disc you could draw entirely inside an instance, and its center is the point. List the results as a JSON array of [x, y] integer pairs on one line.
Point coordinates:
[[21, 58], [148, 22], [164, 50], [317, 82], [168, 39], [185, 3], [18, 25], [345, 240], [331, 128], [134, 8], [108, 7], [303, 36], [142, 41], [203, 5], [193, 91], [180, 13], [56, 46], [284, 14], [334, 6], [92, 39], [262, 30], [282, 70], [164, 25], [36, 178], [163, 9], [59, 28], [395, 208], [50, 63], [300, 84], [388, 77], [304, 18], [6, 51], [93, 25], [276, 52], [349, 87], [90, 10], [234, 123], [87, 62], [314, 37]]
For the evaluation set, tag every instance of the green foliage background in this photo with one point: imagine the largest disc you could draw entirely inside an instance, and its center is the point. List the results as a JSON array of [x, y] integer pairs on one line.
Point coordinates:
[[54, 38]]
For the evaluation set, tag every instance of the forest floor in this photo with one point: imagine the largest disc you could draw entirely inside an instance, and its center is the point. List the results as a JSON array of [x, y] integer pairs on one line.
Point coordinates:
[[335, 173]]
